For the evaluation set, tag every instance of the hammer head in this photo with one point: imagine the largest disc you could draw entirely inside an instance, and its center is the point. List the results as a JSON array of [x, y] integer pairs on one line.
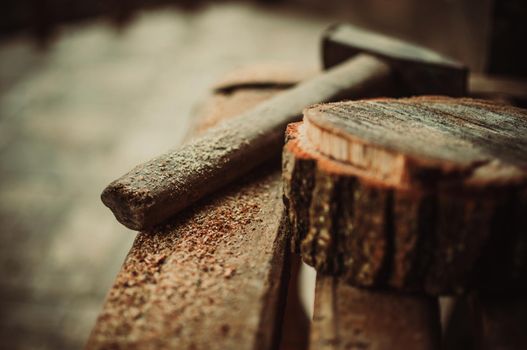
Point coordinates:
[[418, 71]]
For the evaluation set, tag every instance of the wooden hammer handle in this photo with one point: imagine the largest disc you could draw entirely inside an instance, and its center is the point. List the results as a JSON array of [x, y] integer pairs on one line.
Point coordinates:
[[152, 192]]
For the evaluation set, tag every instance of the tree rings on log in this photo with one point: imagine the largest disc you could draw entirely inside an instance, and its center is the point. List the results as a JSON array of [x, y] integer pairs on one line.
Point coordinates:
[[419, 194]]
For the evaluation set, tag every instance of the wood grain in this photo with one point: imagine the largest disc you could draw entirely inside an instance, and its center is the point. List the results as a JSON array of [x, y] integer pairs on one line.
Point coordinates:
[[346, 317], [399, 139], [213, 278], [425, 195]]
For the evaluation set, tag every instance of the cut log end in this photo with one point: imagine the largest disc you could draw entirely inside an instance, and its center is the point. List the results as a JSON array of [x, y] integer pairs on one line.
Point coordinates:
[[410, 194]]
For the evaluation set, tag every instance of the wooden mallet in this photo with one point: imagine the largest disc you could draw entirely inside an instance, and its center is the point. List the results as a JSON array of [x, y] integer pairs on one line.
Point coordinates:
[[358, 64]]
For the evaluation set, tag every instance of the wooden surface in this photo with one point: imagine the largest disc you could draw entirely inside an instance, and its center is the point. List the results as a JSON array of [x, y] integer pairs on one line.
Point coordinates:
[[425, 196], [216, 277], [350, 318], [499, 87], [455, 136], [247, 86], [213, 279]]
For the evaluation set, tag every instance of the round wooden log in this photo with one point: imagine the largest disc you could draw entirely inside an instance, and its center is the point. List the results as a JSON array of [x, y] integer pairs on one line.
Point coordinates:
[[420, 194]]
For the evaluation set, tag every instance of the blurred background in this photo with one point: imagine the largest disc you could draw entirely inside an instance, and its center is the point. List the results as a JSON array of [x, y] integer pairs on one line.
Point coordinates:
[[89, 89]]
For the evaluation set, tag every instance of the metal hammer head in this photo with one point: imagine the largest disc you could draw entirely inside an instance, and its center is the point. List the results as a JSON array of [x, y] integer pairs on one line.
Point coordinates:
[[419, 71]]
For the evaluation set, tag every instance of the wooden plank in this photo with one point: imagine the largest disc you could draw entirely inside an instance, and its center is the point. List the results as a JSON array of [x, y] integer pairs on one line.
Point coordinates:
[[346, 317], [213, 278]]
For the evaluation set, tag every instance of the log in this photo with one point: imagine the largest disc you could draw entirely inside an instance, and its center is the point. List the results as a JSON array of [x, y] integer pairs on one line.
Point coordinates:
[[215, 277], [411, 194], [346, 317]]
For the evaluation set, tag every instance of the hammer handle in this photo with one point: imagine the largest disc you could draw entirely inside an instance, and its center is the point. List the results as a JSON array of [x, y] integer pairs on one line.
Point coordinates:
[[152, 192]]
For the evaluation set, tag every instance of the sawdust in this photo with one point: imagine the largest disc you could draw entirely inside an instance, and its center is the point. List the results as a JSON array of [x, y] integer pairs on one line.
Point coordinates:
[[211, 279], [176, 277]]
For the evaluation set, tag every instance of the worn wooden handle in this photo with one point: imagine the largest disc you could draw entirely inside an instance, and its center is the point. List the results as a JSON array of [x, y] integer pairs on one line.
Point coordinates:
[[155, 190]]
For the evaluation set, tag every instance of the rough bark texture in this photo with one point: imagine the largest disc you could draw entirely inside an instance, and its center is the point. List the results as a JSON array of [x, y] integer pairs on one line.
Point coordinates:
[[437, 221], [213, 278], [346, 317]]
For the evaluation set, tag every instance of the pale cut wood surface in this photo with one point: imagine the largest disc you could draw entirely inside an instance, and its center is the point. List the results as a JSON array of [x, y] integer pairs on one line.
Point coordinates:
[[396, 138], [346, 317], [439, 225]]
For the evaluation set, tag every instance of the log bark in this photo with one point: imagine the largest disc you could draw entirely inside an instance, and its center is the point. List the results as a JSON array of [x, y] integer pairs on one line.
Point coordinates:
[[412, 194], [346, 317], [216, 276]]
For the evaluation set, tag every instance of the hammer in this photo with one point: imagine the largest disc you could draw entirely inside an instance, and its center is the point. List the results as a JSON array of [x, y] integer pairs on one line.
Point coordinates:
[[357, 63]]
